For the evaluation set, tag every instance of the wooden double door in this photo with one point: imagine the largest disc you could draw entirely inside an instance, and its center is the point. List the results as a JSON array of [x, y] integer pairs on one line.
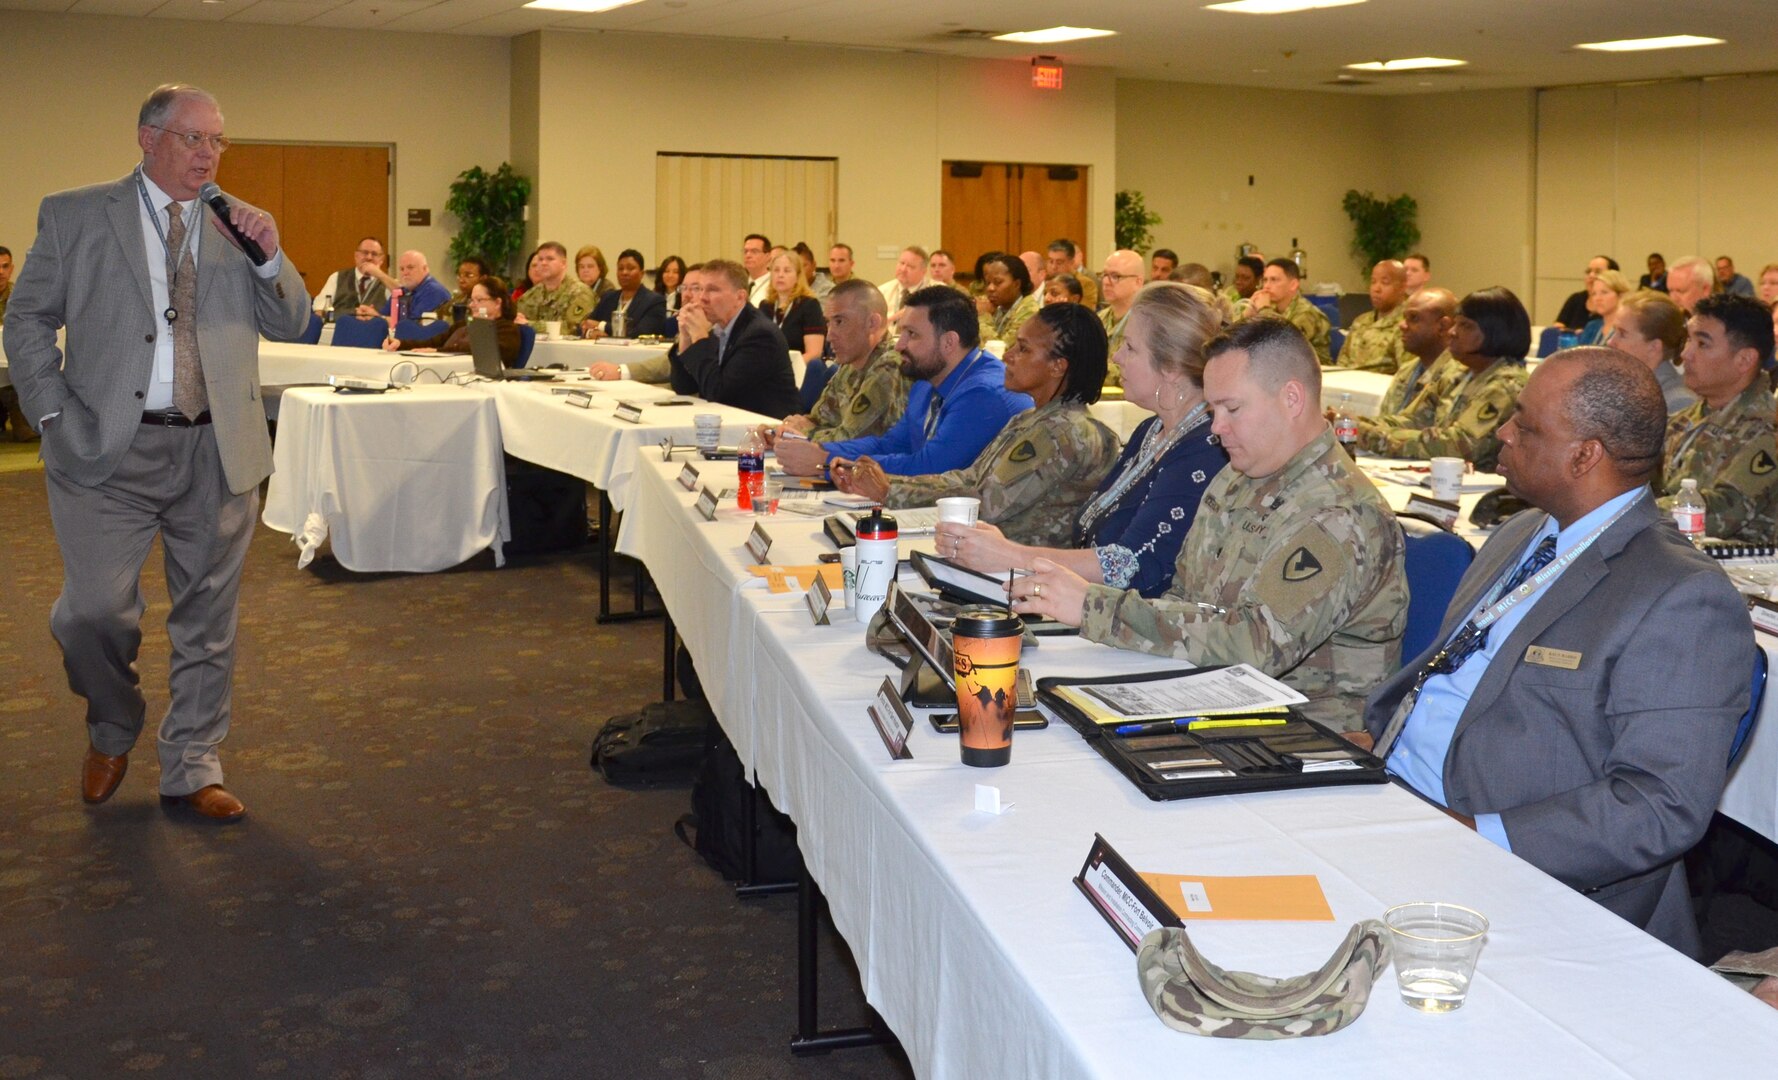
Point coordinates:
[[1010, 206], [325, 199]]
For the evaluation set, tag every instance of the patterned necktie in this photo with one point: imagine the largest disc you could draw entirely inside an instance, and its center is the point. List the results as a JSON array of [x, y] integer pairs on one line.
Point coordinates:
[[189, 396], [932, 410], [1469, 641]]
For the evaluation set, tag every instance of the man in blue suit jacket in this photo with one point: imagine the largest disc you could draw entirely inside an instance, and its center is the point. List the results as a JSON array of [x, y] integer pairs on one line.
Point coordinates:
[[1584, 734], [960, 403]]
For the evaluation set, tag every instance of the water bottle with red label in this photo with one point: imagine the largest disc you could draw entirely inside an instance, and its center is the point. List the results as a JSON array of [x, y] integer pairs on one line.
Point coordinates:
[[750, 468]]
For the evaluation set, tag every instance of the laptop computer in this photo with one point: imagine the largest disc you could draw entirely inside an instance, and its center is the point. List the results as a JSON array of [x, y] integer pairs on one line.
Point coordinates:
[[484, 349]]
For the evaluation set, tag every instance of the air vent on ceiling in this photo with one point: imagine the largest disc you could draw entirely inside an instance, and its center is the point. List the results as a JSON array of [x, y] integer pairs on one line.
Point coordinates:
[[1347, 80], [971, 35]]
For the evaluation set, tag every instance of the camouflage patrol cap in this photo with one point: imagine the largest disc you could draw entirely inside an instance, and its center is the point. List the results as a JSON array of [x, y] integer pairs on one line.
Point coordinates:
[[1191, 994]]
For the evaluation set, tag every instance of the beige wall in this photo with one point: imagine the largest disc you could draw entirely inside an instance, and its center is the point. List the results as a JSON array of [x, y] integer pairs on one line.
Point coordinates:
[[889, 118], [75, 83], [1190, 150]]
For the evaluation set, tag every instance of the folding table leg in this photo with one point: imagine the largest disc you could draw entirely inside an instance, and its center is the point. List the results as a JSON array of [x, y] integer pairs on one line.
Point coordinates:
[[638, 583], [809, 1038]]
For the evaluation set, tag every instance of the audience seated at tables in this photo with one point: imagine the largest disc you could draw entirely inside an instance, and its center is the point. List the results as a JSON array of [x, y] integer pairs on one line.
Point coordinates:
[[643, 312], [1128, 534], [1046, 461], [1656, 278], [1280, 295], [818, 282], [1588, 728], [1063, 257], [1009, 297], [910, 277], [1426, 320], [942, 267], [1727, 440], [421, 293], [1248, 271], [1649, 326], [1119, 282], [1459, 414], [867, 392], [359, 289], [1573, 315], [590, 267], [756, 251], [1063, 288], [1162, 264], [667, 278], [1294, 563], [469, 271], [1688, 281], [840, 263], [792, 308], [488, 299], [1728, 281], [979, 283], [958, 402], [1417, 268], [1374, 341], [656, 369], [1604, 292], [727, 351], [555, 295]]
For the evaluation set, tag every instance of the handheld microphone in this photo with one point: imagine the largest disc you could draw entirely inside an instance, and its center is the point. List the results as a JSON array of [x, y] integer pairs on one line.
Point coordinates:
[[212, 196]]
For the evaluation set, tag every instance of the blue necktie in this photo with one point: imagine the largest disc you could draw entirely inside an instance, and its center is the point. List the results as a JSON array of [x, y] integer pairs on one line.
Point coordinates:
[[1471, 640], [932, 410]]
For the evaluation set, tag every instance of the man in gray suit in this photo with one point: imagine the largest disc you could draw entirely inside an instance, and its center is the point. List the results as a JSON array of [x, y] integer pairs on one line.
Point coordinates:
[[152, 424], [1577, 728]]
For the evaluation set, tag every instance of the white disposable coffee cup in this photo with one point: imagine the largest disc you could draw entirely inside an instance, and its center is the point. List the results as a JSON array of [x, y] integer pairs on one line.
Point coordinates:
[[709, 433], [553, 328], [1447, 478], [961, 509]]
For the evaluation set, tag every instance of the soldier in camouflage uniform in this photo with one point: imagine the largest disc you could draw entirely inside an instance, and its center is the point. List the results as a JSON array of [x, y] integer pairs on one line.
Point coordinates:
[[1047, 462], [1425, 339], [1120, 281], [568, 299], [1374, 341], [1280, 294], [1727, 441], [1294, 563], [868, 392]]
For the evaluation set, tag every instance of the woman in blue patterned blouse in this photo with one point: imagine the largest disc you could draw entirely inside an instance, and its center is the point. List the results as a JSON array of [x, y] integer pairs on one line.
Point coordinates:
[[1129, 533]]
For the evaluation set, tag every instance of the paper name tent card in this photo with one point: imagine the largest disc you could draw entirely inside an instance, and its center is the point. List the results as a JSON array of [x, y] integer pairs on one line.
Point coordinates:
[[1238, 689]]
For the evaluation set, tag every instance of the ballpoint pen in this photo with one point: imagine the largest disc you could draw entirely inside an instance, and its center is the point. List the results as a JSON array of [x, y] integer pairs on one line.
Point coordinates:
[[1196, 723]]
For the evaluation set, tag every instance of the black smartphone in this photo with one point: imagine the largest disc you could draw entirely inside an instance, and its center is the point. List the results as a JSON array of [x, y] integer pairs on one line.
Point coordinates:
[[945, 723]]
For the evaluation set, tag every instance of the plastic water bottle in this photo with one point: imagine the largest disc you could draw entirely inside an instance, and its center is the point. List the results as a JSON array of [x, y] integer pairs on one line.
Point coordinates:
[[750, 468], [877, 562], [1346, 426], [1688, 511]]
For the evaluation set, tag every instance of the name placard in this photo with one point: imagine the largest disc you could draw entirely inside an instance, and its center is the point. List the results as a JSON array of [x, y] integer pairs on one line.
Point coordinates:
[[1128, 903], [580, 399], [628, 410], [707, 504], [892, 719], [758, 543], [819, 598], [1445, 513], [688, 478], [1765, 614]]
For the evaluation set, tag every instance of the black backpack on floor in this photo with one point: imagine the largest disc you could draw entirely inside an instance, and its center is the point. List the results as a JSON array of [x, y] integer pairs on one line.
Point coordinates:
[[662, 744], [717, 823]]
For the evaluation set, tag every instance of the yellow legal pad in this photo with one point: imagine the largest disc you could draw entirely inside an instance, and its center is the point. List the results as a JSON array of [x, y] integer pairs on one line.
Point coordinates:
[[1287, 898], [778, 578]]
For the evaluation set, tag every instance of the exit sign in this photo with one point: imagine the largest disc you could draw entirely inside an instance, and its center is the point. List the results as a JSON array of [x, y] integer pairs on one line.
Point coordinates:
[[1046, 73]]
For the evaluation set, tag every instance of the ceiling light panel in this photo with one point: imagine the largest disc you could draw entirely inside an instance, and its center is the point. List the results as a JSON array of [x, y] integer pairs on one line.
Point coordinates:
[[1278, 7], [1672, 41], [1054, 35], [1418, 63], [584, 7]]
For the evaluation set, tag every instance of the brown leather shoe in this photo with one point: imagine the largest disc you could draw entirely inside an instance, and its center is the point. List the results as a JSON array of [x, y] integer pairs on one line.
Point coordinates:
[[213, 802], [100, 774]]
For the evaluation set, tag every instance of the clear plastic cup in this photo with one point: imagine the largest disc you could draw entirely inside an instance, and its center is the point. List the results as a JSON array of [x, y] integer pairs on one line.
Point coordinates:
[[1436, 946]]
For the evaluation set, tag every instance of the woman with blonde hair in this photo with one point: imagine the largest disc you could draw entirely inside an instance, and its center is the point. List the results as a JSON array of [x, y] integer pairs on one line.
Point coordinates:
[[1649, 326], [792, 307], [1604, 292], [1129, 533]]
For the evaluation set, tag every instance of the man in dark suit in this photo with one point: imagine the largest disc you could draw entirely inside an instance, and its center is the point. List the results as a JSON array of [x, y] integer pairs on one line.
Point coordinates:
[[727, 351], [152, 424], [1576, 729]]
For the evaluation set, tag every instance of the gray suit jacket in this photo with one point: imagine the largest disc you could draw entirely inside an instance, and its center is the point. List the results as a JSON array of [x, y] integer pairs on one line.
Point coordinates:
[[1604, 774], [88, 271]]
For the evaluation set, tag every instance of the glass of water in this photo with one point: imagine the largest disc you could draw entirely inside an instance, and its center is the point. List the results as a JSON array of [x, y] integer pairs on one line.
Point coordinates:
[[1435, 946]]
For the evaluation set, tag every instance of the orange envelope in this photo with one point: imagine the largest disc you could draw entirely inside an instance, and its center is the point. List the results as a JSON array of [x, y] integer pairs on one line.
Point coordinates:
[[804, 576], [1288, 898]]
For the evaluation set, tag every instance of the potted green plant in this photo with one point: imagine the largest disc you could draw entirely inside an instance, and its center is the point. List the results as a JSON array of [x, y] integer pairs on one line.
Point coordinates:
[[490, 209], [1381, 228], [1133, 222]]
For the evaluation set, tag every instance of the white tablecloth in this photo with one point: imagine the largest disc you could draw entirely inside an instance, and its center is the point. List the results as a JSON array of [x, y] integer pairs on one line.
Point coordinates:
[[282, 363], [1366, 387], [976, 948], [409, 480]]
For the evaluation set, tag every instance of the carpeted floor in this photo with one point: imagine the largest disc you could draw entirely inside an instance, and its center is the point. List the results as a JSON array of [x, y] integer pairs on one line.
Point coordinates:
[[429, 882]]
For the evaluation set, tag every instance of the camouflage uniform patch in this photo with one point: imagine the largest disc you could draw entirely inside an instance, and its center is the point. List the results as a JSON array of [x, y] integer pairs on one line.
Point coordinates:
[[1732, 453], [861, 401], [1456, 415], [1411, 377], [1303, 577], [1003, 326], [571, 301], [1032, 479], [1302, 315], [1374, 343], [1114, 336]]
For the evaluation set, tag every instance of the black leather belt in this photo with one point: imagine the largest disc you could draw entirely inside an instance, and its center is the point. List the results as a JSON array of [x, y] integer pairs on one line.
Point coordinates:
[[175, 418]]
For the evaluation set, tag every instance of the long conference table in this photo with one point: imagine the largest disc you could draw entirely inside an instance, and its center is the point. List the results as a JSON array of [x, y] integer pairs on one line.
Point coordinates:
[[978, 951]]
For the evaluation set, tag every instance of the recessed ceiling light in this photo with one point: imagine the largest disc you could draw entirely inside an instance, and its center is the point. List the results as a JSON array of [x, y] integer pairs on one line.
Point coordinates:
[[585, 7], [1277, 7], [1418, 63], [1674, 41], [1054, 34]]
